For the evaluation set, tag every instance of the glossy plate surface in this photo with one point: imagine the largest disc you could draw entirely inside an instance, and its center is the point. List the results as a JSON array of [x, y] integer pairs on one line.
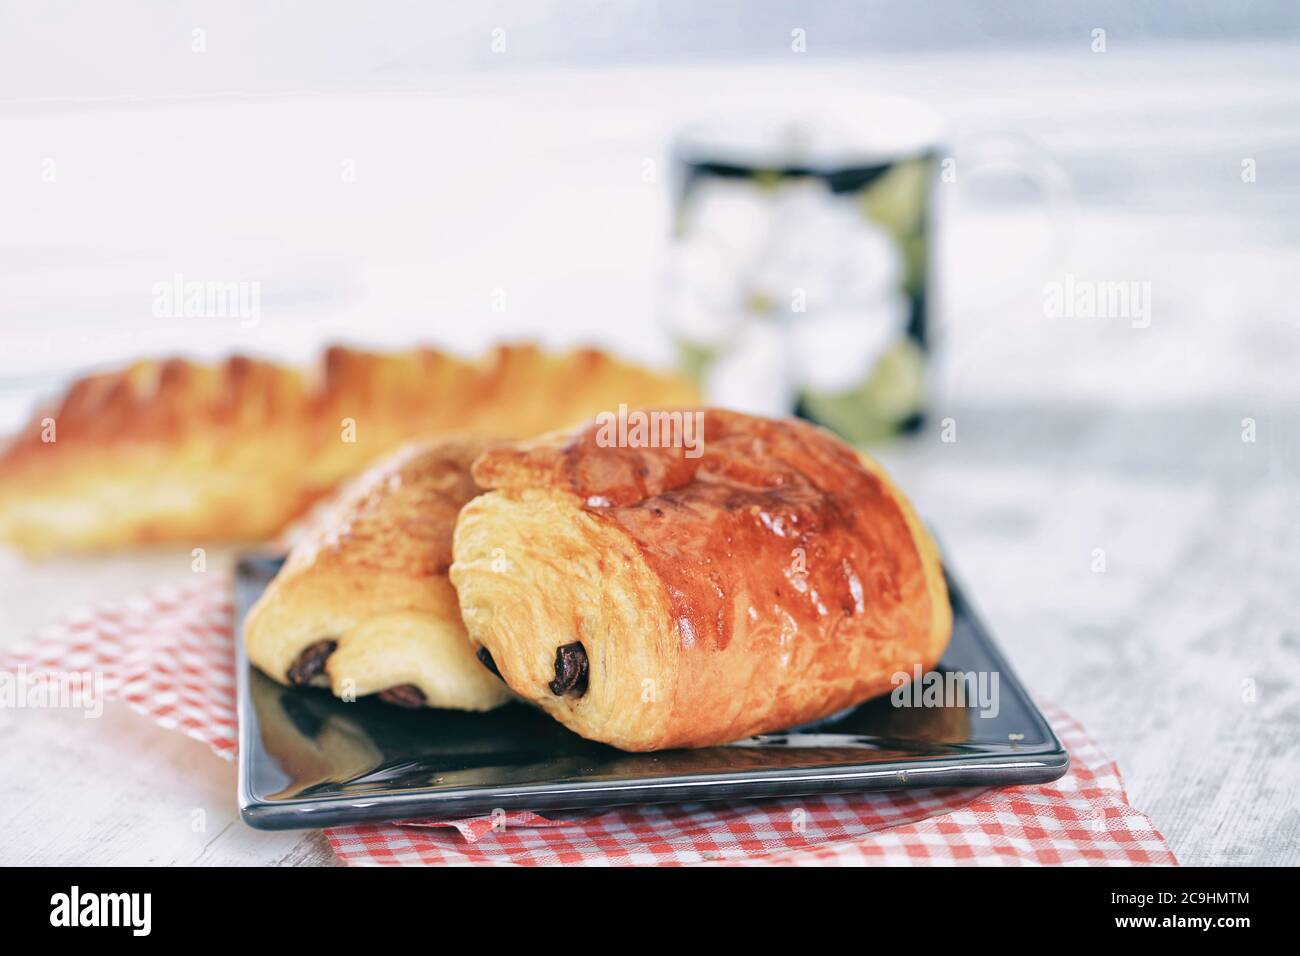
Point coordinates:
[[307, 759]]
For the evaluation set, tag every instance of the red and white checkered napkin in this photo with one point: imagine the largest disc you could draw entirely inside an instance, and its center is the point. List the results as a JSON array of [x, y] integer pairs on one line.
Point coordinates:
[[170, 655], [167, 653]]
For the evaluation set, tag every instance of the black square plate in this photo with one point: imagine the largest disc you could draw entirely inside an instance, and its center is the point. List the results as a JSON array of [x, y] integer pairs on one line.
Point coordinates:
[[307, 759]]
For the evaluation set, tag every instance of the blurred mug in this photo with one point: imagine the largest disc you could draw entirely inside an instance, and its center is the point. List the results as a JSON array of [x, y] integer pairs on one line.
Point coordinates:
[[799, 268]]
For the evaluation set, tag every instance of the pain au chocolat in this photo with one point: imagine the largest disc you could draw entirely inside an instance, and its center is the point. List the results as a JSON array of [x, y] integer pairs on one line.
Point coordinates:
[[363, 605], [656, 597], [180, 452]]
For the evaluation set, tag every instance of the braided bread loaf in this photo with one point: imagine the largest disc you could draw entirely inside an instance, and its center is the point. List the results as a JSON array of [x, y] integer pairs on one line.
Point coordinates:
[[175, 451]]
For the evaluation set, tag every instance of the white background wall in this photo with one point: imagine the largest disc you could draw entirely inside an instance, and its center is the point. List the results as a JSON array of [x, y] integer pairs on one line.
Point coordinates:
[[523, 171]]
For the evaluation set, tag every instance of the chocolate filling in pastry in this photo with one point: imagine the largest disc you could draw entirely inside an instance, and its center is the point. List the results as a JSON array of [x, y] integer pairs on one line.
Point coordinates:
[[311, 662], [570, 670], [403, 695], [485, 658]]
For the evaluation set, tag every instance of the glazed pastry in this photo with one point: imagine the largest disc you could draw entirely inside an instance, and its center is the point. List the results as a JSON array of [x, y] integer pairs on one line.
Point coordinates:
[[683, 597], [363, 605], [178, 452]]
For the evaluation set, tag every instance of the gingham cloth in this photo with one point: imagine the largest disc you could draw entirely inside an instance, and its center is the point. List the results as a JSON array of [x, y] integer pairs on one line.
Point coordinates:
[[170, 655]]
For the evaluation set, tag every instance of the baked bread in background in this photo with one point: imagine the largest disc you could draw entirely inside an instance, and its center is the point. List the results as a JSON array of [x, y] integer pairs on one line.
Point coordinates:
[[650, 599], [363, 605], [175, 451]]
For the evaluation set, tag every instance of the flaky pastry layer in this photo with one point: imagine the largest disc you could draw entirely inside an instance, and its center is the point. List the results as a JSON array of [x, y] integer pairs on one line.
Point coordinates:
[[650, 599]]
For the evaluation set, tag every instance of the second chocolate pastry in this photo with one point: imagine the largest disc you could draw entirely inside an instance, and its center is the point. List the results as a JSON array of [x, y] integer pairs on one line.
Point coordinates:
[[363, 605], [760, 576]]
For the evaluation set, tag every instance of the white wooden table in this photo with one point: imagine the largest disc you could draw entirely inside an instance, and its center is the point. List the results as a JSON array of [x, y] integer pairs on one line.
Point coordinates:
[[1072, 435]]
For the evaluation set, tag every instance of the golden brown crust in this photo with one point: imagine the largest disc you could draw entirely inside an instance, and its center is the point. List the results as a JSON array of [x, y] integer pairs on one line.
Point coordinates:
[[773, 580], [175, 451], [371, 576]]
